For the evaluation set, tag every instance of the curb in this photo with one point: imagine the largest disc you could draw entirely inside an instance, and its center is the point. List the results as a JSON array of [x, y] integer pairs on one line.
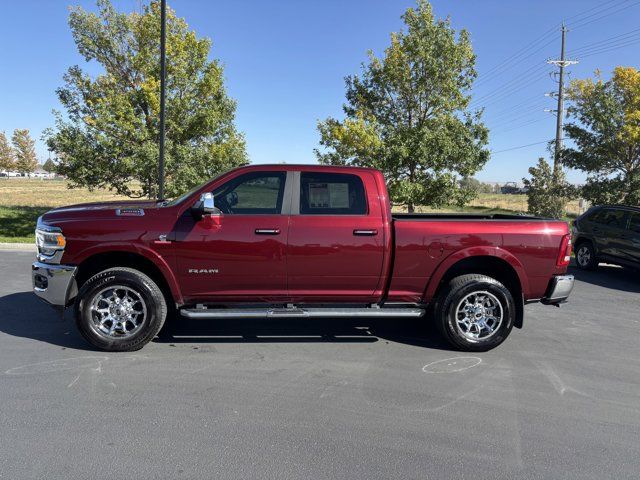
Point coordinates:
[[20, 247]]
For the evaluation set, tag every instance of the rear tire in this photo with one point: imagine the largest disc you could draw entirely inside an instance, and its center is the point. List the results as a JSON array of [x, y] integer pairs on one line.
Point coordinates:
[[120, 310], [475, 313], [586, 256]]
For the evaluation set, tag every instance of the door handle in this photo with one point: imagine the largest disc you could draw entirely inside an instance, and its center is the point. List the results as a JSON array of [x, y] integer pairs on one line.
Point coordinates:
[[365, 233], [267, 231]]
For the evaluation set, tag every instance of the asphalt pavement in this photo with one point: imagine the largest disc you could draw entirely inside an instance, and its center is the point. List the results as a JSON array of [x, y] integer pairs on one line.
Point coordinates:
[[328, 399]]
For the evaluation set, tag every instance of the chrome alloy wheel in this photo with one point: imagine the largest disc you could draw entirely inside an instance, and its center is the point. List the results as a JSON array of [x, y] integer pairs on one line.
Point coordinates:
[[117, 312], [583, 256], [479, 315]]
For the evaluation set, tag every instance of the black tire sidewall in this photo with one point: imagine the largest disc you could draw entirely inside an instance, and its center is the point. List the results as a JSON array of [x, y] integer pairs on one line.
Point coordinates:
[[144, 286], [448, 315]]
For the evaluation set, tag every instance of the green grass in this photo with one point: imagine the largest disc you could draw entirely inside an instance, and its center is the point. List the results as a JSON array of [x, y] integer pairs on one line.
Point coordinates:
[[17, 223]]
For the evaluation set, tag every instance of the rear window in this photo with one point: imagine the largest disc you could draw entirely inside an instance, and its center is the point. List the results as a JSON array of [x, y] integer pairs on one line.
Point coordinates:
[[331, 194]]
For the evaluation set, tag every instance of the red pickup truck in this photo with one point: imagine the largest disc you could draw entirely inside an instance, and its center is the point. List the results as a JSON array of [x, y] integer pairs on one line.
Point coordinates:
[[295, 241]]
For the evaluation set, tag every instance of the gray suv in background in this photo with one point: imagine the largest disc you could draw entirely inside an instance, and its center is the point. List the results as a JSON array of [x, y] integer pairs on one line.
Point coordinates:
[[608, 234]]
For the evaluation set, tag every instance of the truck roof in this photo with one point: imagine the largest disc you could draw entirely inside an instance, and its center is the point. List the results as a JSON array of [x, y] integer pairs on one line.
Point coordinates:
[[304, 166]]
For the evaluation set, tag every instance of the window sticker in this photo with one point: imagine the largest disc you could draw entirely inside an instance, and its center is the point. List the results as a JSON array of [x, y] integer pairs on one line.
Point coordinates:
[[328, 195], [339, 195], [318, 195]]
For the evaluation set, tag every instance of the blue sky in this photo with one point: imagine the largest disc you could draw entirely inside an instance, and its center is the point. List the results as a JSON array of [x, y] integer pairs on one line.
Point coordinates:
[[285, 62]]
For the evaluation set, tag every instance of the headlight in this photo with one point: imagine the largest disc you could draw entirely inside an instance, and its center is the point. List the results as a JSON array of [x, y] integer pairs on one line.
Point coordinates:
[[50, 243]]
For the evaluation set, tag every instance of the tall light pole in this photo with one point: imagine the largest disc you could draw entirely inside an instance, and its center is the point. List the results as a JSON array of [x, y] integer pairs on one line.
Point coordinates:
[[163, 74]]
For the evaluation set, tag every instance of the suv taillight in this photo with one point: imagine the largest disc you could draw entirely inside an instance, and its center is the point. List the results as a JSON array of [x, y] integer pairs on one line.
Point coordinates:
[[564, 257]]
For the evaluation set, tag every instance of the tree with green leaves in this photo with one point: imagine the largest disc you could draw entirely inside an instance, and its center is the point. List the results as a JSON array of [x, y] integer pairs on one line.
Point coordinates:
[[109, 137], [7, 155], [408, 114], [49, 166], [606, 133], [24, 148], [547, 193]]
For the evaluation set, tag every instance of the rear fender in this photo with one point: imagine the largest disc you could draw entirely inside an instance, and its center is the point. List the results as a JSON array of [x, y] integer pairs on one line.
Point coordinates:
[[487, 251]]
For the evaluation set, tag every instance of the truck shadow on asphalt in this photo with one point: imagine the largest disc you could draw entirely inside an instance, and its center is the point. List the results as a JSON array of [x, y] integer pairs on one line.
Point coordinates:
[[23, 315], [344, 330], [609, 276]]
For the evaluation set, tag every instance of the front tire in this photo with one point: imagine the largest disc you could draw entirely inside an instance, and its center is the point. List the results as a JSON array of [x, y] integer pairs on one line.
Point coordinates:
[[475, 313], [120, 310]]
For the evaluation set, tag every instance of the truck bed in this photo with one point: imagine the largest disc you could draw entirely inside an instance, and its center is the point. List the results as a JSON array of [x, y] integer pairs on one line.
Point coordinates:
[[425, 243], [464, 216]]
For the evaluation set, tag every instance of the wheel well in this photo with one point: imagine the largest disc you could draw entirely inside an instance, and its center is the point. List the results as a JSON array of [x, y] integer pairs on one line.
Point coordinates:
[[582, 240], [102, 261], [493, 267]]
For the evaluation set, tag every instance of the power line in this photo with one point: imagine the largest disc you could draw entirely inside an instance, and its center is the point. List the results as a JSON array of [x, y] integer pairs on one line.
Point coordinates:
[[608, 48], [516, 86], [520, 116], [623, 37], [510, 108], [582, 23], [515, 58], [617, 47], [593, 8], [526, 74], [525, 124], [520, 146], [493, 92]]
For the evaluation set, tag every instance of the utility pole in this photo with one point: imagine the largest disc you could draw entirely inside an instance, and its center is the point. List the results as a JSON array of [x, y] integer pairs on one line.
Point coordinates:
[[561, 63], [163, 74]]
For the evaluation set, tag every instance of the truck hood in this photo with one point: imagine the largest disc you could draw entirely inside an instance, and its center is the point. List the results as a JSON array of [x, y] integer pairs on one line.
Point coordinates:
[[132, 208]]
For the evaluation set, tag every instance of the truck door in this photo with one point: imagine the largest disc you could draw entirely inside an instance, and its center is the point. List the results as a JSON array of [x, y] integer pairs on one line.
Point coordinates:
[[336, 239], [239, 255]]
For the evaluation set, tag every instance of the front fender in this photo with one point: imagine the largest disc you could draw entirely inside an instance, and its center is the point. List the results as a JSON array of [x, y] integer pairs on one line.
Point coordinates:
[[154, 257]]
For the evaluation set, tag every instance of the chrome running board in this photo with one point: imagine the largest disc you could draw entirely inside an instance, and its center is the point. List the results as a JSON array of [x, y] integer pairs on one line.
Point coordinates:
[[298, 312]]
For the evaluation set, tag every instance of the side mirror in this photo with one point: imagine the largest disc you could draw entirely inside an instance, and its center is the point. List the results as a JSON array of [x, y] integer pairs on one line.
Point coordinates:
[[204, 207], [208, 207]]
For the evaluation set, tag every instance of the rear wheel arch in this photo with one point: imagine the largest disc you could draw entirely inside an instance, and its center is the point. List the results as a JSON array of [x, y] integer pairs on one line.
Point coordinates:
[[490, 266], [581, 240]]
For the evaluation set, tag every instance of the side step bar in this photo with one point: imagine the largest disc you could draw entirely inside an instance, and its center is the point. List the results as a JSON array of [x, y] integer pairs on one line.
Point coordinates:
[[302, 312]]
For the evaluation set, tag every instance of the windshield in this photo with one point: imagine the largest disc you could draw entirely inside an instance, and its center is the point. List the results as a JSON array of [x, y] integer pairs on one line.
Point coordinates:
[[184, 196]]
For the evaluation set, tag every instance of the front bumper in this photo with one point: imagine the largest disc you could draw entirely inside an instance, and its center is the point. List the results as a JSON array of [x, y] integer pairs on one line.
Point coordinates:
[[55, 284], [559, 289]]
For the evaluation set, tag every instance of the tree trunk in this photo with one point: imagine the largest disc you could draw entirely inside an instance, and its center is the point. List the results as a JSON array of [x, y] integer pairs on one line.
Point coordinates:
[[410, 207]]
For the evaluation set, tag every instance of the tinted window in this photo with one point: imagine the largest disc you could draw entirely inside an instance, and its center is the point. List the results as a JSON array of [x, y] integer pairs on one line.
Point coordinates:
[[612, 218], [258, 193], [634, 222], [332, 193]]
